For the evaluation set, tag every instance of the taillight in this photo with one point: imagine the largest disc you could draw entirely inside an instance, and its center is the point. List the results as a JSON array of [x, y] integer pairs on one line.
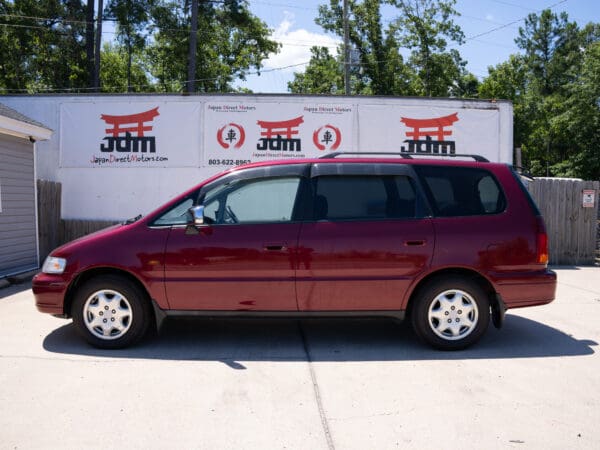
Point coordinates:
[[541, 242]]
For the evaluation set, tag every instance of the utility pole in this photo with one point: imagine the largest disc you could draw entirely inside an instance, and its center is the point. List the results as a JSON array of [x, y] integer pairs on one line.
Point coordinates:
[[191, 78], [98, 46], [346, 51]]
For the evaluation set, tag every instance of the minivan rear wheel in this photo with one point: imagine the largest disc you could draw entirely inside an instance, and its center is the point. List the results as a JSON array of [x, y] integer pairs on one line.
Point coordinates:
[[450, 313], [110, 312]]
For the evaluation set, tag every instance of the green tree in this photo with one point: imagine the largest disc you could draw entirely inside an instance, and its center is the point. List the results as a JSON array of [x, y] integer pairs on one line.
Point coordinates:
[[579, 124], [425, 27], [42, 45], [551, 46], [380, 68], [132, 18], [467, 86], [508, 81], [554, 88], [121, 72], [231, 42], [552, 58], [47, 44], [323, 75]]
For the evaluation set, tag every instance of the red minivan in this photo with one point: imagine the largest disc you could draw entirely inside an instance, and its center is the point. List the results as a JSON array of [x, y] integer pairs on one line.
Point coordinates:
[[447, 243]]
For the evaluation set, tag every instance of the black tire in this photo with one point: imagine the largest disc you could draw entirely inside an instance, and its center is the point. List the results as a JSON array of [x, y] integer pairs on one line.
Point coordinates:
[[450, 313], [110, 312]]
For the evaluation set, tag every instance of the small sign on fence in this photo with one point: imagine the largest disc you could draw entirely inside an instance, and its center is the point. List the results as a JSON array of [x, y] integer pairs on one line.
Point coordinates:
[[589, 198]]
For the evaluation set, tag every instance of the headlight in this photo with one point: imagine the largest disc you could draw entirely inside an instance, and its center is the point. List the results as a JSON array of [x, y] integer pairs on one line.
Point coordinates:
[[54, 265]]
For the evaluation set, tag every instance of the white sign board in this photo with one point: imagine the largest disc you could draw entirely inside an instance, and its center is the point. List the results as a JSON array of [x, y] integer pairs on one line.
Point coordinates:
[[589, 197], [240, 132], [130, 153], [132, 134], [426, 129]]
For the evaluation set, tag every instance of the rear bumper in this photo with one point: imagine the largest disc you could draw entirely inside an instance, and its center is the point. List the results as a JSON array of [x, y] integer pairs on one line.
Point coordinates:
[[527, 289], [49, 292]]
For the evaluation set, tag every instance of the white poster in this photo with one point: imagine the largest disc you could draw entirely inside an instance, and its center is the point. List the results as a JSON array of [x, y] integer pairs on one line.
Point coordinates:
[[246, 131], [425, 129], [132, 134], [588, 198]]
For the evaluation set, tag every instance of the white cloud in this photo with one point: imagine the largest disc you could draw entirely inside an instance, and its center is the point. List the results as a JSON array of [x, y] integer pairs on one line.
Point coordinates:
[[489, 17], [296, 44]]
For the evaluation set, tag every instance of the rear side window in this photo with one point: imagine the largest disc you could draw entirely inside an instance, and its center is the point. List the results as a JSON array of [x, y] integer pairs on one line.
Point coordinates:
[[354, 197], [461, 191]]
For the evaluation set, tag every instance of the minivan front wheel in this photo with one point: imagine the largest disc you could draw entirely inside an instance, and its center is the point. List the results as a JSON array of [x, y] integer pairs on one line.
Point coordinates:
[[110, 312], [451, 313]]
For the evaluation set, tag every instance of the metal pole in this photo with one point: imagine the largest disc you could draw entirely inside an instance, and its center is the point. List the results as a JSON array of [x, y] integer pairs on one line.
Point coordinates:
[[346, 51]]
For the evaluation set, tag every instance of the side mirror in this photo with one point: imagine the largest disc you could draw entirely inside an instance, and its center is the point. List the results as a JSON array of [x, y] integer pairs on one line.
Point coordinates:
[[197, 215]]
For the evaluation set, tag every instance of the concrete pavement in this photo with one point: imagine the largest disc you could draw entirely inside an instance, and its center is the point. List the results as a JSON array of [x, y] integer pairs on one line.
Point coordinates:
[[310, 384]]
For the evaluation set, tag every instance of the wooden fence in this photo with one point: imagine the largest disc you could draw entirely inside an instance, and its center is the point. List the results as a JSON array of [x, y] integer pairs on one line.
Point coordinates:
[[73, 229], [572, 229], [49, 225], [54, 231]]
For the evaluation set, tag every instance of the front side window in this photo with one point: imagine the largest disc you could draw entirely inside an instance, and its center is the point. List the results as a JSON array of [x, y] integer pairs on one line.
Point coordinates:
[[178, 214], [254, 201], [358, 197], [461, 191]]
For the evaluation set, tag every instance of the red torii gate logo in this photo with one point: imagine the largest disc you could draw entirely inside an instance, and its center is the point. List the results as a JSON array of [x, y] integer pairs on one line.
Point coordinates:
[[420, 138], [120, 137], [279, 136]]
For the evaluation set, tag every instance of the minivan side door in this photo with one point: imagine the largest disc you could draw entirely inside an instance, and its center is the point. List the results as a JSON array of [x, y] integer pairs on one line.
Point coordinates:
[[243, 258], [369, 237]]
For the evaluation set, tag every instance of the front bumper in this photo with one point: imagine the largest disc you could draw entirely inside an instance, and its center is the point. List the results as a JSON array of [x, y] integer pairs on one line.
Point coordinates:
[[49, 292]]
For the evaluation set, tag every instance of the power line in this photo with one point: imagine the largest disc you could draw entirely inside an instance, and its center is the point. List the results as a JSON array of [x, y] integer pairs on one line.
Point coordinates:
[[285, 5], [488, 21], [46, 28], [495, 44], [140, 86], [506, 25], [512, 4], [49, 19], [150, 27]]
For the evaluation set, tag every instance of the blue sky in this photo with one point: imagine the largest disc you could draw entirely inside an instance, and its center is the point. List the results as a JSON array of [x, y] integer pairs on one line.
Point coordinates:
[[293, 25]]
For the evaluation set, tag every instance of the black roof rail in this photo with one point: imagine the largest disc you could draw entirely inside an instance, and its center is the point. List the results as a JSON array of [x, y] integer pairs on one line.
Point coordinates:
[[477, 158]]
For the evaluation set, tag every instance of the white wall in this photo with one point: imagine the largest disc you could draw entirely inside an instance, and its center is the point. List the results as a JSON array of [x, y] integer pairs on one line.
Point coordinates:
[[118, 193], [106, 193]]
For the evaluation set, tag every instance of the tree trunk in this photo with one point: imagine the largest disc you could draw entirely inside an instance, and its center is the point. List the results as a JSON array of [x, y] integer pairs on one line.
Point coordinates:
[[129, 51], [98, 46], [89, 40], [191, 75]]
